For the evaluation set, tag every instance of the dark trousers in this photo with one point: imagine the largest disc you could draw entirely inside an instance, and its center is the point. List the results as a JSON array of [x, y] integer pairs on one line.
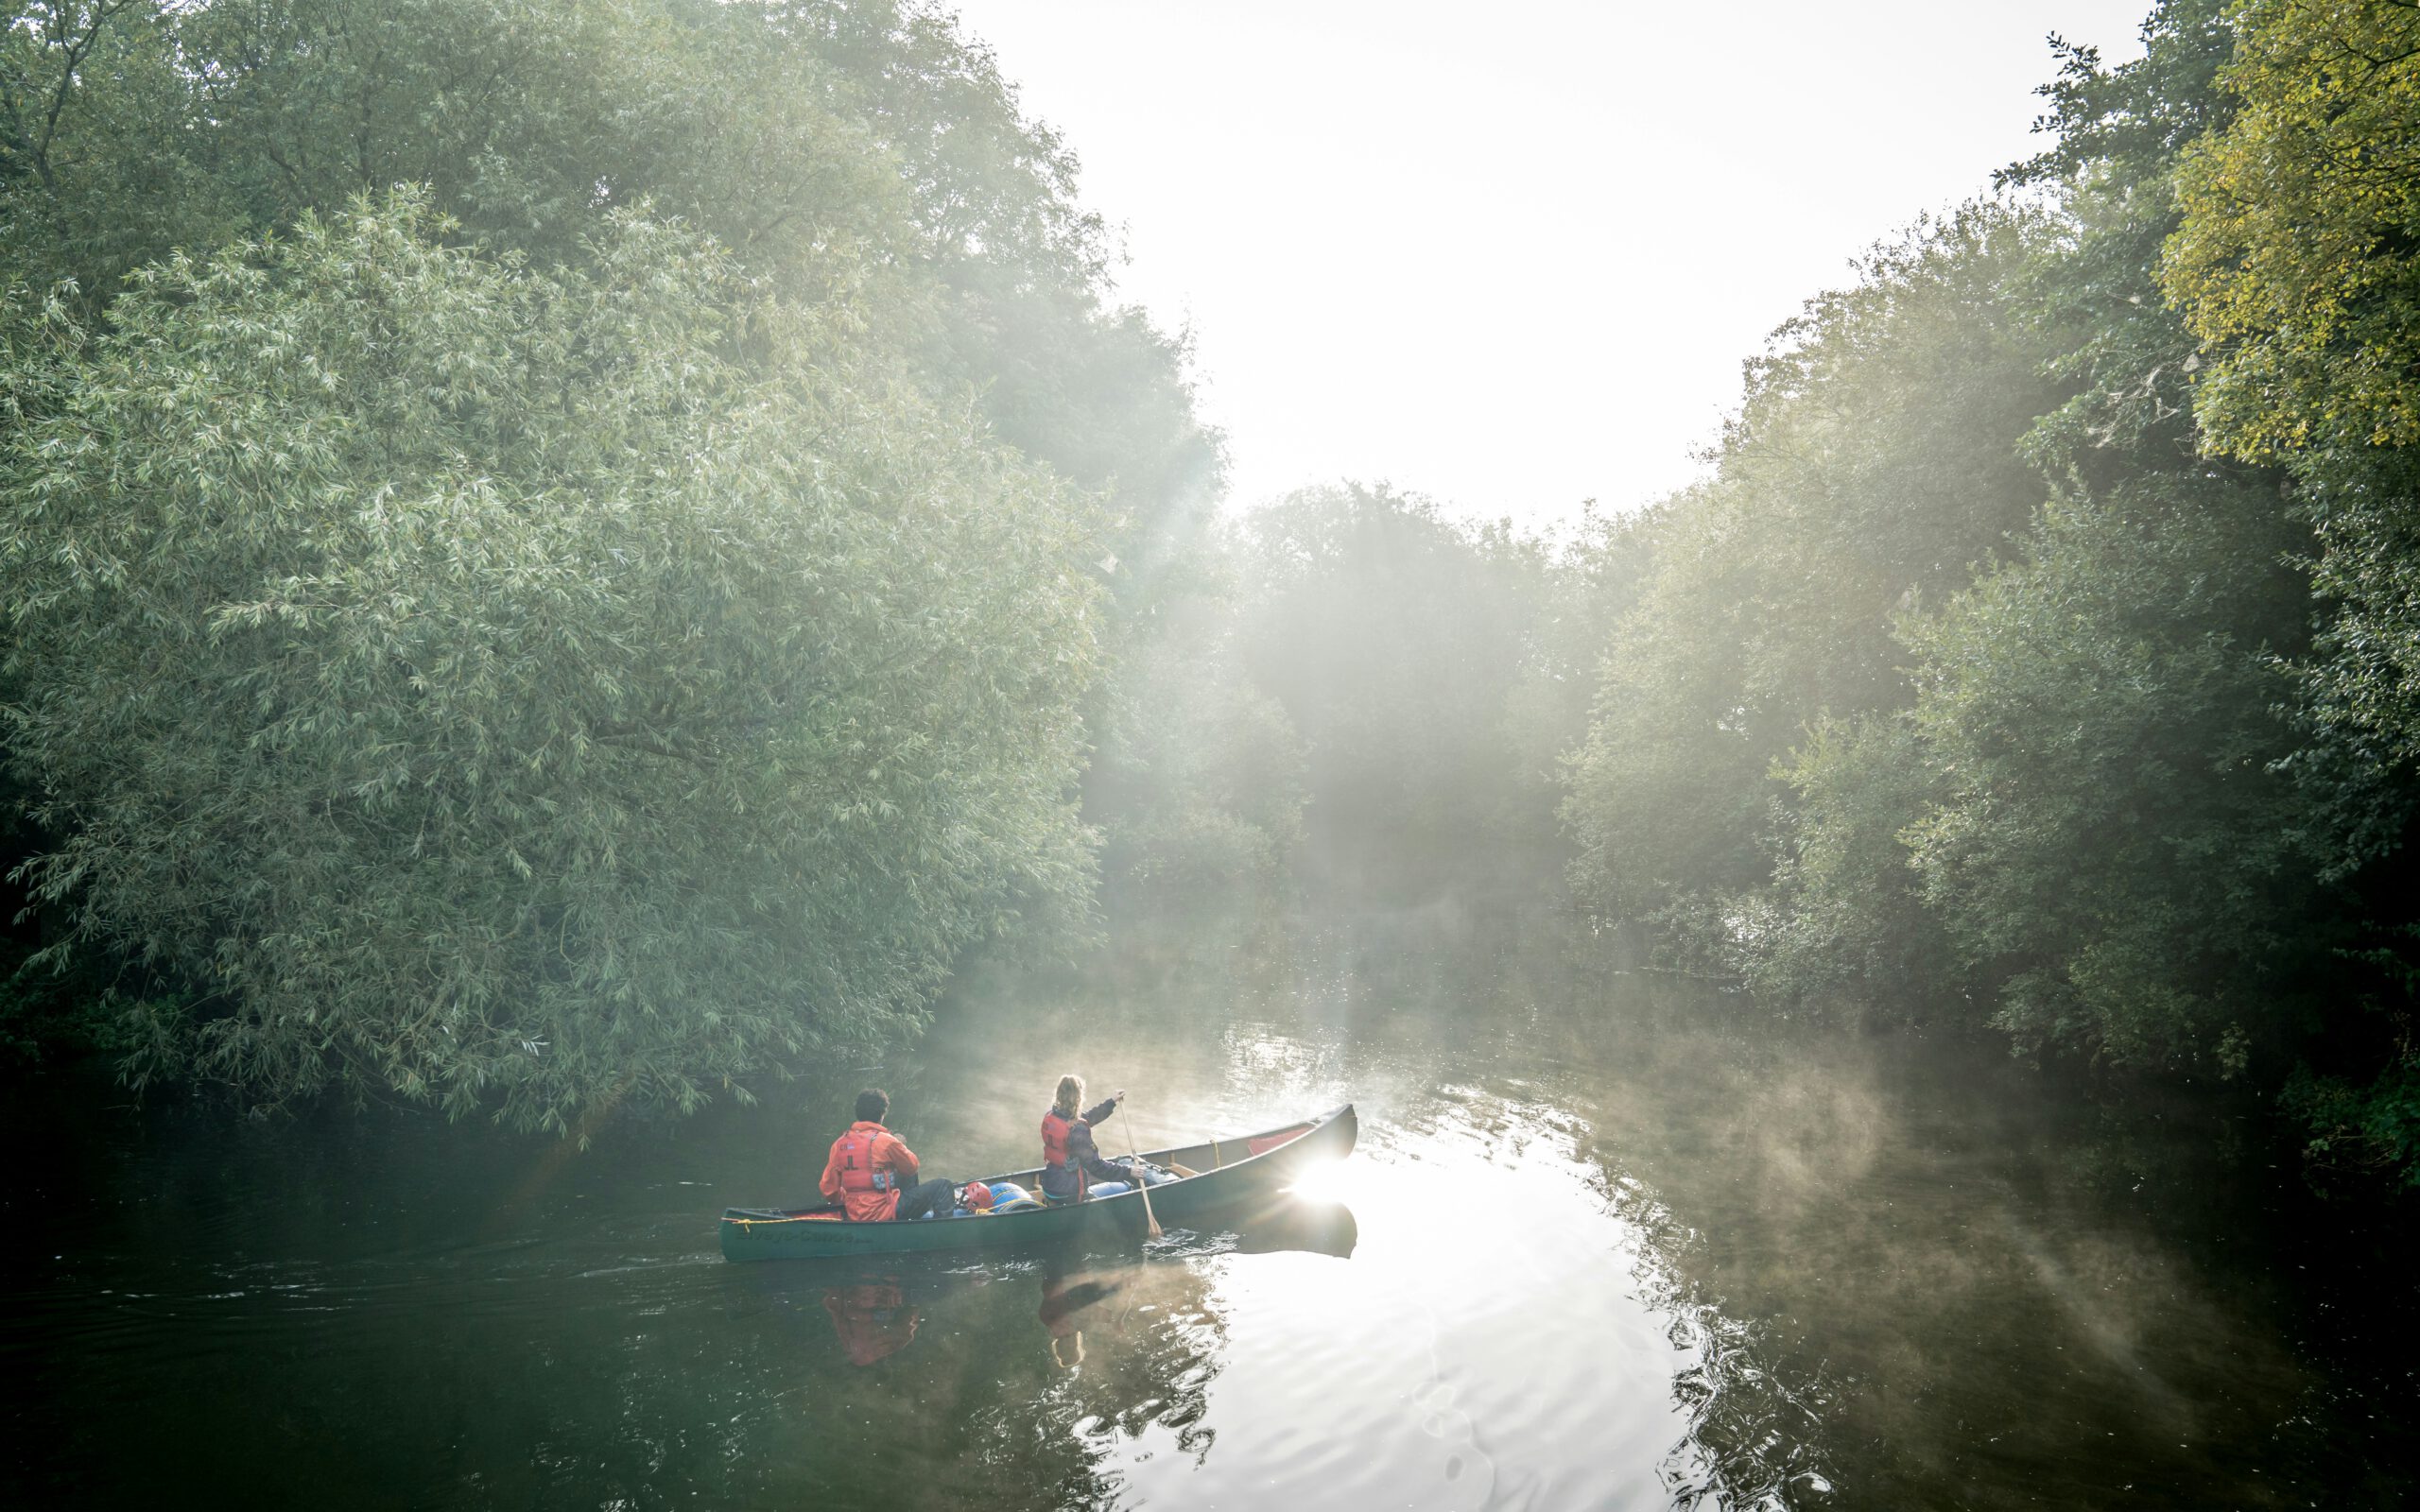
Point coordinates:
[[940, 1194]]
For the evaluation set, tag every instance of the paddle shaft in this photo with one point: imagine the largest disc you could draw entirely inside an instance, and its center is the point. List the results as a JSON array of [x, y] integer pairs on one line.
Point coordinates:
[[1134, 1148]]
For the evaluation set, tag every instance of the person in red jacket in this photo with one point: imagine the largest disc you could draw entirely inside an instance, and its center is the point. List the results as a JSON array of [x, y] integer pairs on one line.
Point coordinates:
[[872, 1172], [1072, 1168]]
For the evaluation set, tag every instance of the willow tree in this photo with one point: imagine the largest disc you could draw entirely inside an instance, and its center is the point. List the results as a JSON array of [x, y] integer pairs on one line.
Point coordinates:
[[863, 153], [521, 687], [894, 313]]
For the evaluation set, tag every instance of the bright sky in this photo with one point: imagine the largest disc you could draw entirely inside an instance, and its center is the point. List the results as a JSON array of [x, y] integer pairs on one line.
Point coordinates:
[[1510, 255]]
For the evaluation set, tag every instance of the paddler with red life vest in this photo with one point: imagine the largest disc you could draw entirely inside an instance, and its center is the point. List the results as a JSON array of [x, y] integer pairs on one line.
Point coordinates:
[[1072, 1168], [872, 1173]]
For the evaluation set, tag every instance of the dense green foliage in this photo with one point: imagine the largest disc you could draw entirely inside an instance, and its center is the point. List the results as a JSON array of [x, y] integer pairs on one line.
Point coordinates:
[[483, 679], [602, 622], [1872, 464], [861, 156], [2294, 259], [2297, 261], [2106, 833], [2035, 652]]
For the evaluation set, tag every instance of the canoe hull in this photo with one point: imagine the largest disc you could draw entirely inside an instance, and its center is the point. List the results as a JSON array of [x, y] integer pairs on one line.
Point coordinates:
[[1227, 1187]]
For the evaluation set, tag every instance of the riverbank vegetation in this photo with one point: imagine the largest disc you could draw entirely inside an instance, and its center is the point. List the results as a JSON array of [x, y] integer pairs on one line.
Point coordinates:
[[2032, 653], [585, 551], [562, 555]]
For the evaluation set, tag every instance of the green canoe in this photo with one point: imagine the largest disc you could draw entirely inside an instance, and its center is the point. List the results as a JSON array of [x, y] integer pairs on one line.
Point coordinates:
[[1235, 1176]]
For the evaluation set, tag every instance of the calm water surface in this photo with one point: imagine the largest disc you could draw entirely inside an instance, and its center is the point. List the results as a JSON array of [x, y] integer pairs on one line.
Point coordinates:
[[1606, 1243]]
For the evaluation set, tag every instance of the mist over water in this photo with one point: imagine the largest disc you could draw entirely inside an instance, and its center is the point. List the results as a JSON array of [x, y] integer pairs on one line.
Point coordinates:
[[1597, 1248]]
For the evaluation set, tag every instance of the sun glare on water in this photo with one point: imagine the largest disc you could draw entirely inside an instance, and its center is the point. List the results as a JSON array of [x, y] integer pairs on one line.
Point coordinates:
[[1326, 1181]]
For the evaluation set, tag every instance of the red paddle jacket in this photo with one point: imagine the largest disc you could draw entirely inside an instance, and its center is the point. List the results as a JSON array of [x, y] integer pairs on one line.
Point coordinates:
[[1070, 1160], [868, 1168]]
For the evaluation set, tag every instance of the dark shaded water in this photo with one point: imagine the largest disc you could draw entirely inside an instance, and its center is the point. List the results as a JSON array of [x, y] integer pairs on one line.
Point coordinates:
[[1606, 1243]]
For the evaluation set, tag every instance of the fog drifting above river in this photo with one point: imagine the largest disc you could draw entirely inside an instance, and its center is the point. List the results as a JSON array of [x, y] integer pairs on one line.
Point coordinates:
[[1604, 1242]]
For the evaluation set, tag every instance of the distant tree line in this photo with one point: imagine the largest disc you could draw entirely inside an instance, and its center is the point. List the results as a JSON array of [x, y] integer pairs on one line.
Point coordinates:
[[1356, 689]]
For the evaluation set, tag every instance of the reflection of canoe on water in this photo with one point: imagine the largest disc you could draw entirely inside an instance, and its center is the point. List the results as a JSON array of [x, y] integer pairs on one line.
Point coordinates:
[[1235, 1174]]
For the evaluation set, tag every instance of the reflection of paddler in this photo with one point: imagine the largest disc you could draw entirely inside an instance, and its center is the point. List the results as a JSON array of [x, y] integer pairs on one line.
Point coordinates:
[[872, 1319], [1064, 1297]]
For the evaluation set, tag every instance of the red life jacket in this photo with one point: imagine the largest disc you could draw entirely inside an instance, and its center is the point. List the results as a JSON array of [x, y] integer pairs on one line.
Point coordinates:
[[854, 1153], [1055, 1128], [857, 1174]]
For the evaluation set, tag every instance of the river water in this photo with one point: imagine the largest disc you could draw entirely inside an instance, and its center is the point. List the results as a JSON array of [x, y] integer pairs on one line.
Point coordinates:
[[1608, 1241]]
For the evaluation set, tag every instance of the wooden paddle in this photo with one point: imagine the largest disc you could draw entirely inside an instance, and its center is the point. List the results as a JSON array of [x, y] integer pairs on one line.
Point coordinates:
[[1143, 1186]]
